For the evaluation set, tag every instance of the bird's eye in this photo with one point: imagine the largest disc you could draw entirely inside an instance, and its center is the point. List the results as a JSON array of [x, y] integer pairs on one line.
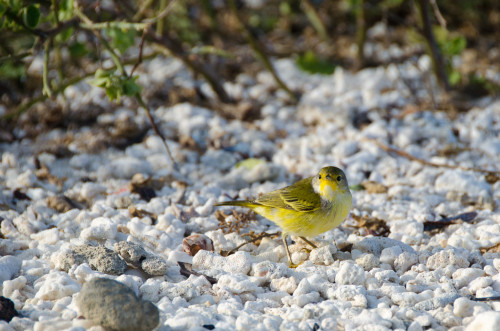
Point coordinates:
[[319, 176], [339, 178]]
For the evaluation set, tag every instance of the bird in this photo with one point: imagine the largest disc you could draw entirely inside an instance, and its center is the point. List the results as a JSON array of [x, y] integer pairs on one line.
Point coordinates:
[[306, 208]]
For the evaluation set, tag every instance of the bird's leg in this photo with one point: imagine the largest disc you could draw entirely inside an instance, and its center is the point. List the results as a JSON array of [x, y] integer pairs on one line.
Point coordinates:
[[308, 242], [290, 263]]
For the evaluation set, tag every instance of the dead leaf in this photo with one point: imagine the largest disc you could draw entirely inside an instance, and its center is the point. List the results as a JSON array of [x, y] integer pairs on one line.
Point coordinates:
[[491, 249], [62, 204], [242, 220], [135, 212], [374, 226], [196, 242], [451, 150], [187, 270], [140, 184], [374, 187], [492, 178], [440, 224], [17, 194]]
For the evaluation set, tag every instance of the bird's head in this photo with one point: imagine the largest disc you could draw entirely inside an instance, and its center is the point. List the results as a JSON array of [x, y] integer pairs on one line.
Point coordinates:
[[330, 182]]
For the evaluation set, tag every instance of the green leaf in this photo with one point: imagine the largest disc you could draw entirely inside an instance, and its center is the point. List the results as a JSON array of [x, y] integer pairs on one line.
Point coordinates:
[[130, 87], [65, 10], [31, 16], [456, 45], [250, 163], [121, 39], [65, 34], [309, 62], [77, 50], [357, 187], [388, 4], [454, 77], [10, 70]]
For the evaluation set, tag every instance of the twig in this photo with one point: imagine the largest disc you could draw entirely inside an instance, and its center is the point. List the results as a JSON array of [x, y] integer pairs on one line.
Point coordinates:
[[265, 235], [361, 33], [392, 150], [315, 20], [141, 50], [45, 74], [258, 51], [15, 57], [174, 48], [144, 5], [473, 298], [163, 13], [117, 25], [438, 62], [75, 80], [156, 130], [137, 96], [438, 14]]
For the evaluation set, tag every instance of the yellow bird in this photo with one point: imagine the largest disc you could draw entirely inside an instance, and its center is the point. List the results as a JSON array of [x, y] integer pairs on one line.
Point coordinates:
[[306, 208]]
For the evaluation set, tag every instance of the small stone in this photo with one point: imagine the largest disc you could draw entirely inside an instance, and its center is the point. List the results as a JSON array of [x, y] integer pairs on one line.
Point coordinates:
[[374, 187], [195, 242], [131, 252], [463, 307], [99, 258], [323, 255], [7, 309], [442, 259], [350, 274], [485, 321], [238, 263], [137, 256], [9, 266], [376, 245], [113, 305], [154, 266], [405, 261]]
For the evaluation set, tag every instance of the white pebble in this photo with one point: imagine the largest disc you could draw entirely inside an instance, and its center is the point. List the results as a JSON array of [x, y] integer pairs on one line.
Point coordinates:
[[350, 274], [445, 258], [239, 262], [9, 266], [465, 276], [463, 307], [323, 255]]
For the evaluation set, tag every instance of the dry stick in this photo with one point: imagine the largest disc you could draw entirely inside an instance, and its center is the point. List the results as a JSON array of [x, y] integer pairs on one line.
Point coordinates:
[[361, 33], [315, 20], [252, 241], [59, 89], [137, 96], [45, 75], [174, 48], [141, 49], [438, 14], [155, 129], [438, 62], [258, 51], [473, 298], [392, 150]]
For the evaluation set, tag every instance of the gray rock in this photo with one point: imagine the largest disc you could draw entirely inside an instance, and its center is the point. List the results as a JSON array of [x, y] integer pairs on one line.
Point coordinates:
[[131, 252], [99, 258], [9, 266], [140, 258], [437, 302], [154, 266], [376, 245], [114, 305]]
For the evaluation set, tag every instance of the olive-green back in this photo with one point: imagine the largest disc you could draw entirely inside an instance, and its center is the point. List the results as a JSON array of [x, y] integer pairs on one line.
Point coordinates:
[[299, 196]]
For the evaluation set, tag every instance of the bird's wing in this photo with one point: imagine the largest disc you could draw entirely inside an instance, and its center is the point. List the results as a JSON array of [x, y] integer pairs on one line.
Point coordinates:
[[299, 197]]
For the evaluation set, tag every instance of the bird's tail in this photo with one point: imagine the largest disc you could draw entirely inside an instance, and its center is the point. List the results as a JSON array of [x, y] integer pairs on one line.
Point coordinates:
[[240, 203]]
